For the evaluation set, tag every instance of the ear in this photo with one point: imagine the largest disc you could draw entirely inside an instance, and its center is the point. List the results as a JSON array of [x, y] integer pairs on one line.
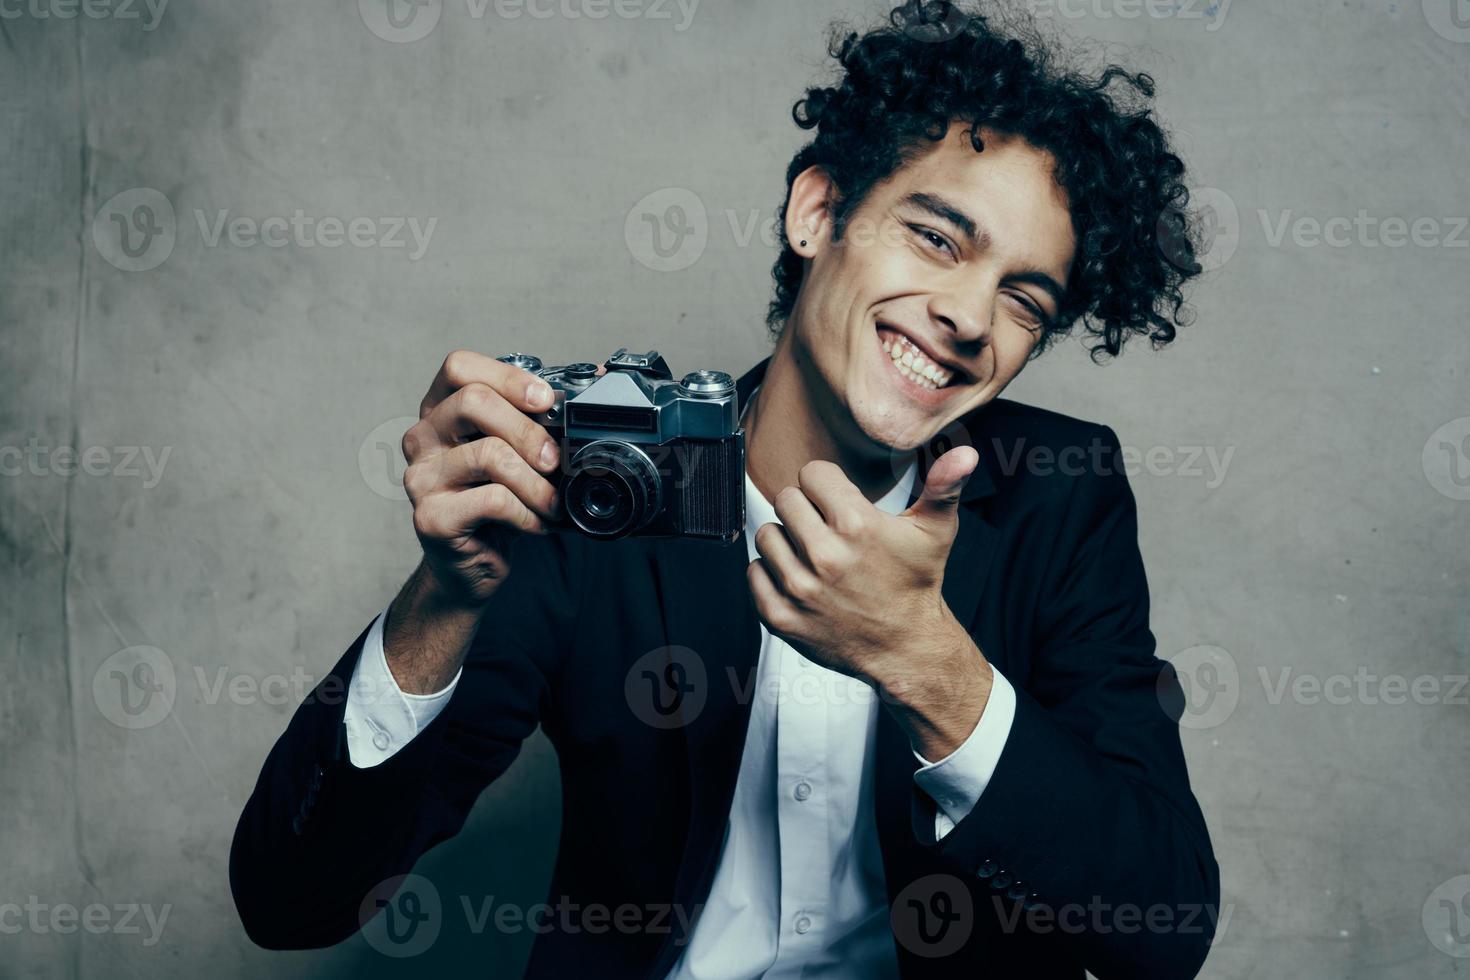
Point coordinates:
[[807, 218]]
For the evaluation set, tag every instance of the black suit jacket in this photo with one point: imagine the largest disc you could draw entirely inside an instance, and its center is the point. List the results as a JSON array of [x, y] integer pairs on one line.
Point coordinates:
[[1087, 849]]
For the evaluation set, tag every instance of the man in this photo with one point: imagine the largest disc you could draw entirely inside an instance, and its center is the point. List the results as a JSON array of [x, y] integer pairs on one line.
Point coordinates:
[[911, 723]]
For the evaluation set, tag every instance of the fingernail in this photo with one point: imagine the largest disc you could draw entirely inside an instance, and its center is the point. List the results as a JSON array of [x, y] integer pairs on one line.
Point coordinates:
[[548, 456], [538, 394]]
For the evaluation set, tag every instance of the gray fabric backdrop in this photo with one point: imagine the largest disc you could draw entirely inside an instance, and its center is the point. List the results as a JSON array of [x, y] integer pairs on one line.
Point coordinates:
[[198, 416]]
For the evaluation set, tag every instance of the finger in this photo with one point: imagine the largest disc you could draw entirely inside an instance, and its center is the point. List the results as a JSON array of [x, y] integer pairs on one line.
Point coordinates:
[[769, 602], [488, 460], [478, 410], [803, 524], [943, 484], [516, 385], [784, 566], [841, 504], [454, 515]]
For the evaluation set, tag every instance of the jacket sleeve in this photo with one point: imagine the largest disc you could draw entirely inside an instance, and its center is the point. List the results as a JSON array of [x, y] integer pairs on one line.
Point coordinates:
[[1088, 829], [319, 834]]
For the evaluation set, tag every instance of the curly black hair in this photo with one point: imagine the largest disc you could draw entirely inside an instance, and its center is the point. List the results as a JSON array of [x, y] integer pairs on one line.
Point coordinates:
[[935, 63]]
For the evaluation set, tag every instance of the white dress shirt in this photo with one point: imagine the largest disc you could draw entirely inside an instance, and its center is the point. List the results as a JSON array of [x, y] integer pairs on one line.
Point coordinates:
[[799, 890]]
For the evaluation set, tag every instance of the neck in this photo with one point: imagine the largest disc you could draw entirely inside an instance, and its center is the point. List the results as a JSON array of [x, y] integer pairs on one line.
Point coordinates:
[[795, 419]]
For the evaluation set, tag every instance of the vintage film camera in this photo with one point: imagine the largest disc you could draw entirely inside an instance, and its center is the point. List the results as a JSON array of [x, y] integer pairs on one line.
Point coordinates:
[[643, 454]]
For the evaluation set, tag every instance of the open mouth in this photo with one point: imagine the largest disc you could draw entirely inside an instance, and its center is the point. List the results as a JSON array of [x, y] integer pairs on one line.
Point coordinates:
[[913, 364]]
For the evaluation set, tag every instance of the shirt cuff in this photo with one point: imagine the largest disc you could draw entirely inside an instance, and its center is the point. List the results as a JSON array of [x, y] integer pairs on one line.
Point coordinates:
[[955, 782], [381, 717]]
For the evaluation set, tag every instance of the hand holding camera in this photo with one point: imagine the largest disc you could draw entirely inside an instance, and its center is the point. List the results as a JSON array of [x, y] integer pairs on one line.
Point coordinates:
[[478, 471], [505, 446]]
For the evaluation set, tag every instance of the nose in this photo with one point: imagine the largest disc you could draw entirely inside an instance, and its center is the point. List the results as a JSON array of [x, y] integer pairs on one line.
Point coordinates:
[[966, 310]]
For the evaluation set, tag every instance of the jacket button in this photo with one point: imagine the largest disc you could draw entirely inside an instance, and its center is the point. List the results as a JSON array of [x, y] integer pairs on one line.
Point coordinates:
[[1001, 880], [1032, 901], [296, 825], [987, 869], [1016, 892]]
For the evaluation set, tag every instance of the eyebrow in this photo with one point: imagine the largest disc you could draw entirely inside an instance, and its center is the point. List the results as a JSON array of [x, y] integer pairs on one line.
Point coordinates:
[[943, 209]]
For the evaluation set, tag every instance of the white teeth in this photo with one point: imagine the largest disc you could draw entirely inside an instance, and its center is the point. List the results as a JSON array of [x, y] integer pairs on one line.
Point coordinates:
[[913, 364]]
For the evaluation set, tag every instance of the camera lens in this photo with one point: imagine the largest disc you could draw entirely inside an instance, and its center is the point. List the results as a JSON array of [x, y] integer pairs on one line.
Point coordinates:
[[602, 499], [613, 489]]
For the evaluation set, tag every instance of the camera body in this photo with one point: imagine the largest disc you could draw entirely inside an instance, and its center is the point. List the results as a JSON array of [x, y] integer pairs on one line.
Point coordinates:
[[643, 454]]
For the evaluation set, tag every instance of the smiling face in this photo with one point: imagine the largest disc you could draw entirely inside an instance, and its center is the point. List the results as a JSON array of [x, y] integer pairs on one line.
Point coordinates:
[[937, 293]]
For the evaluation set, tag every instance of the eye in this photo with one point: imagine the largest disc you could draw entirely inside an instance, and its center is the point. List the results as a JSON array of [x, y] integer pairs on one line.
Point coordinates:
[[1029, 308], [933, 238]]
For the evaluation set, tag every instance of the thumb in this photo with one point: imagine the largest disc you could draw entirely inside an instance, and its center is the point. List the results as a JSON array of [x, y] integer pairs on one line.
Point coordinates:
[[942, 485]]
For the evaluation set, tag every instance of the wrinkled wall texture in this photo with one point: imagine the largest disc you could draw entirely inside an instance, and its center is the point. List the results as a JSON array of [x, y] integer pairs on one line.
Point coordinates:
[[199, 425]]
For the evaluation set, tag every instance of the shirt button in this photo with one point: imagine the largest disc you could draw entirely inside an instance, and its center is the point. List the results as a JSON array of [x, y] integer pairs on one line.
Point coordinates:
[[803, 924], [382, 741], [803, 791]]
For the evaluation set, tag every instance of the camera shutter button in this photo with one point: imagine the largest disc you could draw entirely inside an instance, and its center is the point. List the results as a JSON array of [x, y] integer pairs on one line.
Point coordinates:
[[707, 383]]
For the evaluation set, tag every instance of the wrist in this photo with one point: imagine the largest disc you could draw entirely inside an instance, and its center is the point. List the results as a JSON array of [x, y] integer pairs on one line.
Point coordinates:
[[938, 690], [426, 633]]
